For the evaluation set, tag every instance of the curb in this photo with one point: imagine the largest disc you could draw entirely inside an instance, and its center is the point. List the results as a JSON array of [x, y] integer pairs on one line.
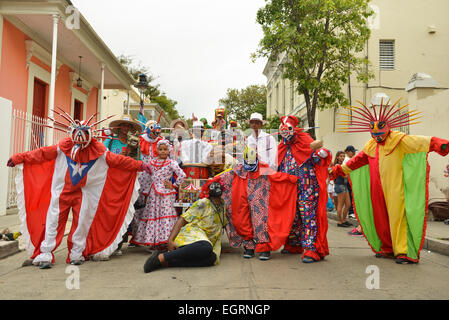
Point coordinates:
[[430, 244], [8, 248], [435, 245]]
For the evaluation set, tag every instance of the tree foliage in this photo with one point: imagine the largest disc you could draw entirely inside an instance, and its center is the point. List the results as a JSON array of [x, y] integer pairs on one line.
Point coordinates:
[[322, 41], [241, 103], [136, 71], [167, 104], [273, 122]]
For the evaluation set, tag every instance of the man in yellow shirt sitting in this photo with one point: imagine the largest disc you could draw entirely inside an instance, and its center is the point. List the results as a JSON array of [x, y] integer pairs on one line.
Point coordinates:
[[195, 240]]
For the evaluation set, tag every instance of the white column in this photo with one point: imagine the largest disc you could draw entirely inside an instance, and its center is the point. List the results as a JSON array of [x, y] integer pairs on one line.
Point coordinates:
[[127, 103], [1, 38], [100, 104], [51, 101], [5, 132]]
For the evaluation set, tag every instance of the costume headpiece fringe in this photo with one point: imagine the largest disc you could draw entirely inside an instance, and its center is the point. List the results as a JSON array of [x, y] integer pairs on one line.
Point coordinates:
[[362, 117]]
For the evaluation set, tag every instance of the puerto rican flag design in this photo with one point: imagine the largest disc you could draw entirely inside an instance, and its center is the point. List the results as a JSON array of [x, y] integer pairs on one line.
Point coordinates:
[[100, 194]]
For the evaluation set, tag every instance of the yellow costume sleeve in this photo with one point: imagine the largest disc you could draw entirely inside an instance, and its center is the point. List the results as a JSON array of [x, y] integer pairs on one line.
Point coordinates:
[[415, 144]]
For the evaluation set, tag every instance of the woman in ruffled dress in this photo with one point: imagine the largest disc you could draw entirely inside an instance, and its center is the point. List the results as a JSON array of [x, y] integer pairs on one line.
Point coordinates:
[[153, 226]]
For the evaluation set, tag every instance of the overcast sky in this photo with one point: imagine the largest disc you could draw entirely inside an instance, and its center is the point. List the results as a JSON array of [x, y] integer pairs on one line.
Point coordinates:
[[196, 48]]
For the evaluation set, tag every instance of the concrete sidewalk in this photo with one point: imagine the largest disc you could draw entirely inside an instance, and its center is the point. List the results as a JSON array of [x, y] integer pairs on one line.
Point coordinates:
[[437, 234]]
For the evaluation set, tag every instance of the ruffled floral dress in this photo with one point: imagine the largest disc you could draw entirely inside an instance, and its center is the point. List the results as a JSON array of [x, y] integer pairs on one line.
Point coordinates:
[[153, 226]]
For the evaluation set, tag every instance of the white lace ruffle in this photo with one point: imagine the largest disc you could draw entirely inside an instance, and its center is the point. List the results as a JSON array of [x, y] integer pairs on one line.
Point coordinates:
[[22, 210]]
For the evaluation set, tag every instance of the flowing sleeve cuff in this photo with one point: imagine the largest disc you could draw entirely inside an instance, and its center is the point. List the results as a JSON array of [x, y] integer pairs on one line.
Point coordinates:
[[441, 146]]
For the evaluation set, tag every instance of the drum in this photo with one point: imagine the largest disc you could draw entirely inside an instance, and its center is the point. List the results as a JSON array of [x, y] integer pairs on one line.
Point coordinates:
[[195, 171]]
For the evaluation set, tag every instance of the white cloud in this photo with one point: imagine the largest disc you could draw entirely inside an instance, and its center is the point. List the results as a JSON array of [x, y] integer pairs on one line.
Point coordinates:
[[196, 48]]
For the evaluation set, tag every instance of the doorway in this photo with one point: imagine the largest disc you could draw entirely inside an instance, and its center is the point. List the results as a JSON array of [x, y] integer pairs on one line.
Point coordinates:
[[78, 110], [39, 113]]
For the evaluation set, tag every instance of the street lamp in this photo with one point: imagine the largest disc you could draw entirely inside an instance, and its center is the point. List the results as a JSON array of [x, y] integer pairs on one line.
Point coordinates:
[[142, 86], [79, 82]]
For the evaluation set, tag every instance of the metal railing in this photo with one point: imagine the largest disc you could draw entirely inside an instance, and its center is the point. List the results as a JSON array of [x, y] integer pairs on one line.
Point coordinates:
[[28, 132]]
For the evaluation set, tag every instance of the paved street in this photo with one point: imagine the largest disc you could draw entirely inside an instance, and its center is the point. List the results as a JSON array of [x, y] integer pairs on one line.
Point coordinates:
[[341, 276]]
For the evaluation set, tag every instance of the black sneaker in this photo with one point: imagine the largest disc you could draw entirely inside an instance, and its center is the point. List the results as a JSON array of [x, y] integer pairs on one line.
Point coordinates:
[[342, 225], [44, 265], [76, 262], [248, 253], [152, 263], [265, 255], [404, 261]]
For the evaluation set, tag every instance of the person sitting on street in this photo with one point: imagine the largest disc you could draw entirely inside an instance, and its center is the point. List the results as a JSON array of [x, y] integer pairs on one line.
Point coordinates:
[[195, 240]]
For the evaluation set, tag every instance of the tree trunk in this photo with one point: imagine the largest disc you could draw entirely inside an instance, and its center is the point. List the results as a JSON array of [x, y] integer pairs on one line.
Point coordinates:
[[310, 114]]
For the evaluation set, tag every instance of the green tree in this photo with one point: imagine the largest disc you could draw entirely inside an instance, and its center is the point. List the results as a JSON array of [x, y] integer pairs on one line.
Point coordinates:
[[168, 105], [273, 122], [322, 41], [240, 103], [136, 71]]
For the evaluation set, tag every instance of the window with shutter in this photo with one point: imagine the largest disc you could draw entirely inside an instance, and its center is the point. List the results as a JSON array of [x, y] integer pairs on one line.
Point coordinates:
[[386, 54]]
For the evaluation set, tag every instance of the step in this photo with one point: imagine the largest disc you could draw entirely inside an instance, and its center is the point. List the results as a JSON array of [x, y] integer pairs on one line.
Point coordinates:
[[8, 248]]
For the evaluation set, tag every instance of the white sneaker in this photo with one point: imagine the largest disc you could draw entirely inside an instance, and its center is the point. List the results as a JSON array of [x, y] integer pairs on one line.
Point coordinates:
[[97, 257], [117, 253]]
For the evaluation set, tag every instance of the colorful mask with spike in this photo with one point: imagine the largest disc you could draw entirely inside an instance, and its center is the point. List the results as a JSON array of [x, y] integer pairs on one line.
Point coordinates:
[[378, 124], [379, 130], [81, 135], [80, 131], [152, 129]]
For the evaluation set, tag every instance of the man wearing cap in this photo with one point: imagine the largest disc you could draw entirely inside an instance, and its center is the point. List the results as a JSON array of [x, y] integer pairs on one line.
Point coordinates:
[[350, 152], [265, 144]]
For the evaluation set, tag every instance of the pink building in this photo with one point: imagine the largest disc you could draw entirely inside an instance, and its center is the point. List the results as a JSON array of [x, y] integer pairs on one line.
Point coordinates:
[[41, 42]]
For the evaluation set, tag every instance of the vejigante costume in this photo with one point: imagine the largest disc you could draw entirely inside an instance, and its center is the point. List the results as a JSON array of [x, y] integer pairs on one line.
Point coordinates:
[[81, 176], [295, 156], [390, 181]]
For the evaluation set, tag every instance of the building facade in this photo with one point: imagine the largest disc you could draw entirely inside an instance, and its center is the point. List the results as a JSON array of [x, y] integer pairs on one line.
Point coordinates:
[[41, 43], [408, 50]]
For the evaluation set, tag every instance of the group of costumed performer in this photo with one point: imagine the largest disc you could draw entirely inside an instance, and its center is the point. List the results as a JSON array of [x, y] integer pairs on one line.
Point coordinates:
[[299, 155], [268, 209], [81, 175], [390, 179]]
